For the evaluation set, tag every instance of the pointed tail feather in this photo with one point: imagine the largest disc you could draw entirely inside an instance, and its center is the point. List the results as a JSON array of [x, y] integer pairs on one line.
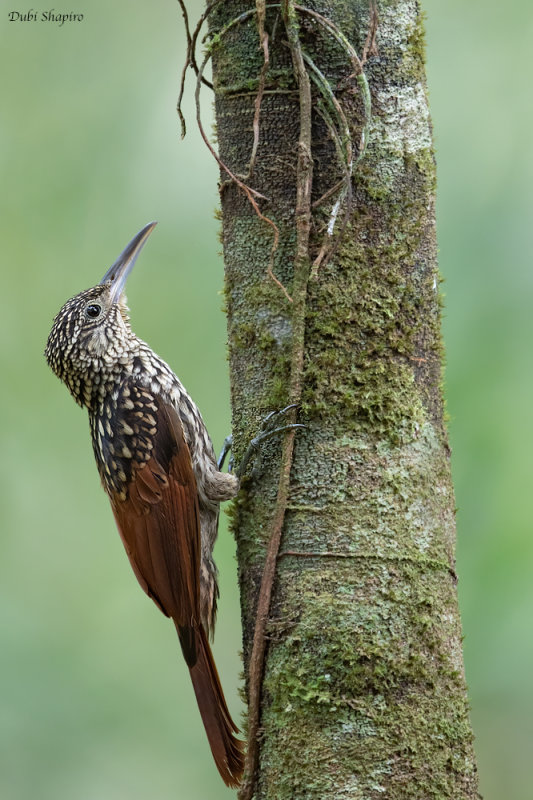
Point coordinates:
[[220, 728]]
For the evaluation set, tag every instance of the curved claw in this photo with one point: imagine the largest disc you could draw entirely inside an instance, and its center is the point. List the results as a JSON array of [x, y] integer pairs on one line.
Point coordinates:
[[278, 412]]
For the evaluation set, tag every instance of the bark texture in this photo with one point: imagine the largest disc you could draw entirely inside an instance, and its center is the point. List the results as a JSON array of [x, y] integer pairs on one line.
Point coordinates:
[[363, 693]]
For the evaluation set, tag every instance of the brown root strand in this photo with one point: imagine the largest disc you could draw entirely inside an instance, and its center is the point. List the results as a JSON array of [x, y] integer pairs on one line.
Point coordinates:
[[302, 215], [370, 47]]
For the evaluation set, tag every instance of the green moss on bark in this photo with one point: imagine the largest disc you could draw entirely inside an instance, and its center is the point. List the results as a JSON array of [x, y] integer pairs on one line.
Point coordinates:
[[367, 679]]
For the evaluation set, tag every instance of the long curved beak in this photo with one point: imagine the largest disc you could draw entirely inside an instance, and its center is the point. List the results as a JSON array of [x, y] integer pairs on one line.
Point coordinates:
[[117, 274]]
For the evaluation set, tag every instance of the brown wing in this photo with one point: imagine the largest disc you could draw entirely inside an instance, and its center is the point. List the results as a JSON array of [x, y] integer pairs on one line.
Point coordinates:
[[159, 520], [146, 469]]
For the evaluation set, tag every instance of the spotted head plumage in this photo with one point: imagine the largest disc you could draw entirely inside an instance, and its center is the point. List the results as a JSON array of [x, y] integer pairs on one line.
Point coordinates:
[[91, 340]]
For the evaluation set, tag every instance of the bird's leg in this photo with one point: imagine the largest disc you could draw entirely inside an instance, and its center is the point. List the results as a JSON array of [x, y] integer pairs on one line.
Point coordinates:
[[265, 432]]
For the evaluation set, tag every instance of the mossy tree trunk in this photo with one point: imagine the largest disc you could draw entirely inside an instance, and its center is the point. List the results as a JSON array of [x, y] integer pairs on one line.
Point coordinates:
[[362, 691]]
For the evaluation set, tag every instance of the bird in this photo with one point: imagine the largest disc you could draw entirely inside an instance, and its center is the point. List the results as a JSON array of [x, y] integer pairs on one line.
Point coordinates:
[[158, 467]]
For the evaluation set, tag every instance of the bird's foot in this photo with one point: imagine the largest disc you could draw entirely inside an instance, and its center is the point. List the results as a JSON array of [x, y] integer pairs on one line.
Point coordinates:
[[269, 428]]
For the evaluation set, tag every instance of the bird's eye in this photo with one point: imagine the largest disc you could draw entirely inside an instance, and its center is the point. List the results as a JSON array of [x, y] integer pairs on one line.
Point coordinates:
[[93, 310]]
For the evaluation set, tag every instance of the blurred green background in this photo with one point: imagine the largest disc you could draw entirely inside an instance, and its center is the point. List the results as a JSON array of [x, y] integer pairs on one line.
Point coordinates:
[[95, 700]]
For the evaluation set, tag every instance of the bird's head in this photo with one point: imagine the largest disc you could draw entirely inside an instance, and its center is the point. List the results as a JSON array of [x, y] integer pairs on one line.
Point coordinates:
[[91, 340]]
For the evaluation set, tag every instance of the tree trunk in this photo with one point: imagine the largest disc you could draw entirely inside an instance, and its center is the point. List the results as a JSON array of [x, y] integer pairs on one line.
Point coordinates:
[[361, 685]]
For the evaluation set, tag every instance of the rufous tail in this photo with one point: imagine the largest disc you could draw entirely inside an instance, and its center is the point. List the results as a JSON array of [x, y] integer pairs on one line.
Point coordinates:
[[226, 748]]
